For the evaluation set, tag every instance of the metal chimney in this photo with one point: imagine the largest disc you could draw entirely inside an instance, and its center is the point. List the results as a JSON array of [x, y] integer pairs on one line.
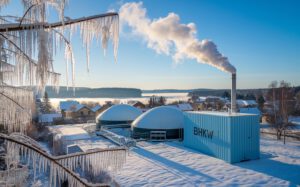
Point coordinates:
[[233, 94]]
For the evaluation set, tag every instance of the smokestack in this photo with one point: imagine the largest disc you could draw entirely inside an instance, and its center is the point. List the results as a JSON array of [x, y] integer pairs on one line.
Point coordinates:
[[233, 94]]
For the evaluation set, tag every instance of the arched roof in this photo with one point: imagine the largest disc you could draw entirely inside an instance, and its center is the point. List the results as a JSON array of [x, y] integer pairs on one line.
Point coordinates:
[[163, 117], [120, 112]]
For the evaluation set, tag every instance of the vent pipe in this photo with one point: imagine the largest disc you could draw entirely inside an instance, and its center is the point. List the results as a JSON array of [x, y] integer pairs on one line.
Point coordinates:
[[233, 94]]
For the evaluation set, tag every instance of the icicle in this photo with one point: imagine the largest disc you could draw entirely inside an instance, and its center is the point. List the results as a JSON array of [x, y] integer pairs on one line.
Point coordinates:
[[15, 117], [3, 3], [31, 41], [88, 58], [97, 162]]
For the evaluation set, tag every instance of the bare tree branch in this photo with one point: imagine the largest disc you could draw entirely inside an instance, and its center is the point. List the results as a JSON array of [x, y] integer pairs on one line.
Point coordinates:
[[26, 13], [7, 97]]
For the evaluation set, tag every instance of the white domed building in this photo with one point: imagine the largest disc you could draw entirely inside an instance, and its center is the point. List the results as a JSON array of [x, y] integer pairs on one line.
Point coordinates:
[[121, 115], [159, 123]]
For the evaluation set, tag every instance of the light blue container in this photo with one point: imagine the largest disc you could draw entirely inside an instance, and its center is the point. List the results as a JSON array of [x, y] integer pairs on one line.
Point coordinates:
[[230, 137]]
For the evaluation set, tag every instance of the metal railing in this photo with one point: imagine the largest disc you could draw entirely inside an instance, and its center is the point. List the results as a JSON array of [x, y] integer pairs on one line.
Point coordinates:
[[120, 140]]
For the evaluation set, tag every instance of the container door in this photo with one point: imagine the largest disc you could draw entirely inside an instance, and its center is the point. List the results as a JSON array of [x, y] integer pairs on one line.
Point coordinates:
[[248, 137]]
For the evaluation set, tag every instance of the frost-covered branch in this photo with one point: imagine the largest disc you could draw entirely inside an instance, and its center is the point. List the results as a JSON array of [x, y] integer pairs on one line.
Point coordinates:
[[51, 77], [23, 17], [30, 26], [62, 168], [12, 100], [32, 36]]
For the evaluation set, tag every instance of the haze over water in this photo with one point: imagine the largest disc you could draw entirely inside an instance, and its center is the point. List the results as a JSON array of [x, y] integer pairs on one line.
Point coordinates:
[[170, 97]]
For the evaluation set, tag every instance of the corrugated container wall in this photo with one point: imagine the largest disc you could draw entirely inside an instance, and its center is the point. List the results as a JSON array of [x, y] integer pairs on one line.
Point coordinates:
[[233, 138]]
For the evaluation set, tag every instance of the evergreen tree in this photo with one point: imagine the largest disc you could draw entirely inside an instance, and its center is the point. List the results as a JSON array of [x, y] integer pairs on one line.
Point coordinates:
[[226, 94], [240, 96], [250, 97], [162, 101], [47, 108], [151, 102], [261, 101]]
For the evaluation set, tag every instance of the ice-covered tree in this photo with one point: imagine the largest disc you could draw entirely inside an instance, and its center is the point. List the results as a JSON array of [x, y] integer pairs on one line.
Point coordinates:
[[28, 45]]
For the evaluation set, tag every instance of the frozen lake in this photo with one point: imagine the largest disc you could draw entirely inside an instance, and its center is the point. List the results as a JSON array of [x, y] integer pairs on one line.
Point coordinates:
[[170, 97]]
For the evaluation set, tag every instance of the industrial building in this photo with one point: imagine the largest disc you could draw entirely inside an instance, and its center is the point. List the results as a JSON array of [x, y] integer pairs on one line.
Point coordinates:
[[230, 136], [159, 123], [233, 137], [120, 115]]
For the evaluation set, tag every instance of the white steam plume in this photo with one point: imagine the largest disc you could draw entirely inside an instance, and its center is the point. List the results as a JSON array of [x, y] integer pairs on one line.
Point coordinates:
[[167, 35]]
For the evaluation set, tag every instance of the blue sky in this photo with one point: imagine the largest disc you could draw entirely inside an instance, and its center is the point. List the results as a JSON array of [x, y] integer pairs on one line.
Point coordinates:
[[260, 38]]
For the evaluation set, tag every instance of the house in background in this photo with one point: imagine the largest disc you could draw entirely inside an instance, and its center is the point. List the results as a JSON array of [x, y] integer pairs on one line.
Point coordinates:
[[97, 110], [104, 107], [213, 103], [76, 111], [246, 103], [137, 104], [84, 112], [49, 119], [183, 106], [65, 107]]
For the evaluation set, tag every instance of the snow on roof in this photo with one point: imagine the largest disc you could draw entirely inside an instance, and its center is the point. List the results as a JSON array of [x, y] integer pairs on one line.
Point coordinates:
[[185, 107], [48, 118], [252, 102], [182, 106], [71, 133], [253, 110], [213, 97], [163, 117], [120, 112], [96, 108], [67, 105], [79, 106], [92, 143], [132, 102], [217, 113], [243, 103]]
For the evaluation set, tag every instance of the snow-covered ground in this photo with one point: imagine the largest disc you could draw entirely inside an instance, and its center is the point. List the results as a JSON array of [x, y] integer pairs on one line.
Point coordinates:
[[172, 164]]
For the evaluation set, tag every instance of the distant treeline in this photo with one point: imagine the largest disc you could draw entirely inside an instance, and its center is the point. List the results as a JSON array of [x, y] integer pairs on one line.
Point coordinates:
[[208, 92], [93, 92], [167, 91], [220, 92]]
